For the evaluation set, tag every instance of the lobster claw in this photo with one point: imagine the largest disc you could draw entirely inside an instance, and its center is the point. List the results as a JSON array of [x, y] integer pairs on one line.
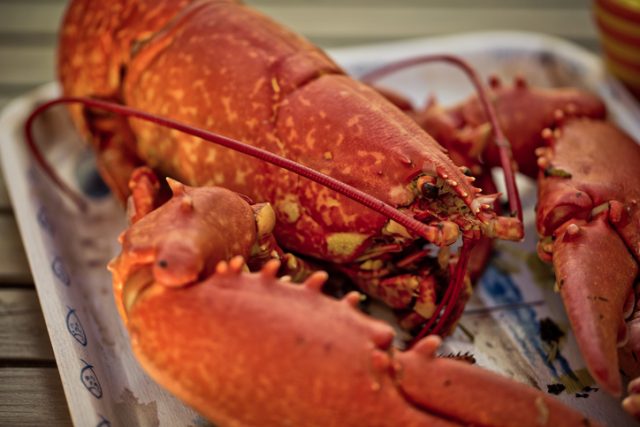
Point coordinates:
[[249, 349], [588, 211], [595, 274]]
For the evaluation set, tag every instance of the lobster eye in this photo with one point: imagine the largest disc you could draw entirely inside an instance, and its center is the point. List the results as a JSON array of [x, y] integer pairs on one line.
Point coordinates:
[[177, 264], [429, 190]]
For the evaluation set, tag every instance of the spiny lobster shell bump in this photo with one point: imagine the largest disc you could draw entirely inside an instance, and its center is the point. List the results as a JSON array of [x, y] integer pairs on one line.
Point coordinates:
[[281, 94]]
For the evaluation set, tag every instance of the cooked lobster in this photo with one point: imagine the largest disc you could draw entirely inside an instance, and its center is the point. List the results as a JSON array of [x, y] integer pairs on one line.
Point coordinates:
[[587, 213], [223, 67]]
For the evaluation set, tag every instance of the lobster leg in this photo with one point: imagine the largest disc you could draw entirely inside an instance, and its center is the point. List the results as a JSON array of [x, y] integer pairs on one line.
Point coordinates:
[[114, 142], [522, 111]]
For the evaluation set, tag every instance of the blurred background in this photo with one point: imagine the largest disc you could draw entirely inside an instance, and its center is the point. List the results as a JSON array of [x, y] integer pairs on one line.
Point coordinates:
[[28, 28]]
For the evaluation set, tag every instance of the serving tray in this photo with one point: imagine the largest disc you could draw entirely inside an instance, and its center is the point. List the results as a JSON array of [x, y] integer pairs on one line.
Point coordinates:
[[515, 323]]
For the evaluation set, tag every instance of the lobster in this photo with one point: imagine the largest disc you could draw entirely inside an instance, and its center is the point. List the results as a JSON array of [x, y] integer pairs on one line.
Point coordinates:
[[587, 212], [271, 88]]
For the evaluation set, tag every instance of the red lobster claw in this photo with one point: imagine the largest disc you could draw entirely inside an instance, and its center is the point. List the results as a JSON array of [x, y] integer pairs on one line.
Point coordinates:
[[588, 211], [249, 349]]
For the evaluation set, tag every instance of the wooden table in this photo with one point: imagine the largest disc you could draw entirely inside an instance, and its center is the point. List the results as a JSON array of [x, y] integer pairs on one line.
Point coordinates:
[[30, 389]]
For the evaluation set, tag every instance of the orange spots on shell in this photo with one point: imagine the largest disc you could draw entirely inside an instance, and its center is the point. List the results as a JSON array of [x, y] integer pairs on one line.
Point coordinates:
[[304, 101], [241, 177], [275, 86], [288, 122], [232, 116], [96, 57], [310, 139], [188, 111], [251, 123], [353, 120], [376, 156], [218, 178]]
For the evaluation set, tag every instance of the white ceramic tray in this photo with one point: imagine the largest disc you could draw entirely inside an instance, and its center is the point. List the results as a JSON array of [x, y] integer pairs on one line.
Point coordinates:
[[68, 252]]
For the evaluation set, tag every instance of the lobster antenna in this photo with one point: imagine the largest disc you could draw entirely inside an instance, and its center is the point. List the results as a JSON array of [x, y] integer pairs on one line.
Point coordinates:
[[504, 147], [74, 196], [451, 294], [422, 230]]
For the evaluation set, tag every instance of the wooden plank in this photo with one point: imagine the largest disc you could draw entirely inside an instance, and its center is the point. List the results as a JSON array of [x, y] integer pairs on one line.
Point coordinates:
[[14, 267], [335, 18], [430, 3], [462, 4], [32, 397], [26, 66], [5, 204], [23, 334], [384, 22], [30, 17]]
